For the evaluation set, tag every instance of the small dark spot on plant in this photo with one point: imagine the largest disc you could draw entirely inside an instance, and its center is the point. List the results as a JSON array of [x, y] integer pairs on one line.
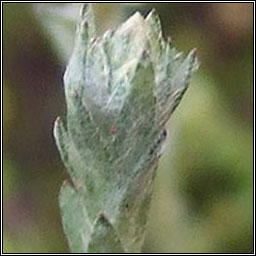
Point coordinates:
[[113, 129], [76, 94], [102, 217]]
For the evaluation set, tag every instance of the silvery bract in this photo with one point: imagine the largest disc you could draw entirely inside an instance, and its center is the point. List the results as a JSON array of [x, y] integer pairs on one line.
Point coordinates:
[[120, 89]]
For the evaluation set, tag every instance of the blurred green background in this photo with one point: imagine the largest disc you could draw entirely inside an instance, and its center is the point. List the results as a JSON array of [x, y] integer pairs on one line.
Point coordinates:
[[203, 200]]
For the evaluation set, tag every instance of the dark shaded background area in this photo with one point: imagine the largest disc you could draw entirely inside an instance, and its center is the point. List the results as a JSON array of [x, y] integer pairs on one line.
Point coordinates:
[[203, 200]]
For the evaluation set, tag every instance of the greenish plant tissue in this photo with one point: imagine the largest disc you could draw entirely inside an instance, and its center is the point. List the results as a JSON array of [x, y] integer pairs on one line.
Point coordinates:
[[121, 88]]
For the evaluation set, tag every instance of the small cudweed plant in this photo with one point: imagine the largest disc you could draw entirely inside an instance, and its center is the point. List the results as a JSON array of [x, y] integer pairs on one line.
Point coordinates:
[[121, 89]]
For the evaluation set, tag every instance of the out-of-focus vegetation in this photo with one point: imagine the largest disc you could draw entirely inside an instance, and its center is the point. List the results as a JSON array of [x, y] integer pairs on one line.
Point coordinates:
[[203, 200]]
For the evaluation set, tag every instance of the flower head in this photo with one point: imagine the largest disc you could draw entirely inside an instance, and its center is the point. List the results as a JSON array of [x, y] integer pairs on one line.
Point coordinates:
[[121, 88]]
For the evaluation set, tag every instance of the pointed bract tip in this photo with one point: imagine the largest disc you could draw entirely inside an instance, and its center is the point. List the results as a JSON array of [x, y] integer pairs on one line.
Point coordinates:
[[65, 182], [153, 11], [169, 40], [194, 60], [194, 53], [137, 15], [58, 120], [84, 9]]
